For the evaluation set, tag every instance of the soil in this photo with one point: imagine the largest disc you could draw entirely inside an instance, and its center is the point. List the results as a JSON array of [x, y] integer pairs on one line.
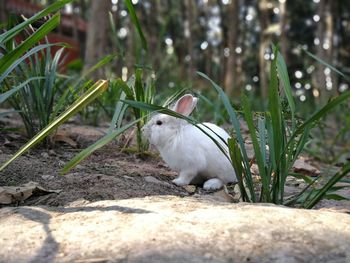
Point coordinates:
[[105, 175]]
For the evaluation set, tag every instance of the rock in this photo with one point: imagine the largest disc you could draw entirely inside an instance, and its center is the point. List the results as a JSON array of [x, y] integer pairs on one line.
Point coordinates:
[[302, 166], [172, 229], [44, 155], [52, 152], [153, 180], [47, 176], [191, 189]]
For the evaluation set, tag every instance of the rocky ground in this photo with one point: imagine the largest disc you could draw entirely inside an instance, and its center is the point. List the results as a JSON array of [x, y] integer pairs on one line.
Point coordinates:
[[118, 207]]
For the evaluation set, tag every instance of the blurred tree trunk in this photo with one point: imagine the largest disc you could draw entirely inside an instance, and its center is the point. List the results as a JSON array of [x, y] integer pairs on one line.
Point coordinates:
[[283, 30], [153, 21], [263, 45], [325, 35], [3, 15], [97, 37], [83, 8], [190, 8], [230, 67], [130, 53]]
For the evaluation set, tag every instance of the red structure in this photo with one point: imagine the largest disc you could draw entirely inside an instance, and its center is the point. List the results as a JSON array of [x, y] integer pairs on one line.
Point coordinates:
[[72, 29]]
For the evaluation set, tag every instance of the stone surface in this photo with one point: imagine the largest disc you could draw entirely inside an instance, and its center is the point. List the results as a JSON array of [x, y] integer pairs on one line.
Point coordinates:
[[172, 229]]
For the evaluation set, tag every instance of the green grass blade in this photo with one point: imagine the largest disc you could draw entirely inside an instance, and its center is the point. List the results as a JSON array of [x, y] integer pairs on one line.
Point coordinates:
[[150, 91], [326, 64], [97, 89], [259, 159], [274, 106], [4, 96], [270, 143], [236, 159], [119, 112], [319, 114], [174, 97], [139, 93], [10, 34], [136, 23], [236, 126], [100, 143], [8, 59], [105, 60], [323, 191], [34, 50], [125, 88], [335, 197], [262, 137], [283, 76]]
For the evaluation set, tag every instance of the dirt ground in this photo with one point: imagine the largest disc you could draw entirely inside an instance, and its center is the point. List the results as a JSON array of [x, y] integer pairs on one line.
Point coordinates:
[[108, 174]]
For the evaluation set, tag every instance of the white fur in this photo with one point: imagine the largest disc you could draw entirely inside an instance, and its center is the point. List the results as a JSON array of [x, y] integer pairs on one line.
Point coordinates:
[[189, 151]]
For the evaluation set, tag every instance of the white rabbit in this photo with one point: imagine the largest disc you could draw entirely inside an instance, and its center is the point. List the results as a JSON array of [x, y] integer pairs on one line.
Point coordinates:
[[189, 151]]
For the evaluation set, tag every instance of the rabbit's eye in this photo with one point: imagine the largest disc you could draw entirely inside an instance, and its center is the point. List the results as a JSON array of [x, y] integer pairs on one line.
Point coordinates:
[[159, 122]]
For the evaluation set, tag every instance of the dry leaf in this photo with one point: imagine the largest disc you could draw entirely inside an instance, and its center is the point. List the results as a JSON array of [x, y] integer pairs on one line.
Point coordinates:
[[302, 167], [64, 138], [14, 194]]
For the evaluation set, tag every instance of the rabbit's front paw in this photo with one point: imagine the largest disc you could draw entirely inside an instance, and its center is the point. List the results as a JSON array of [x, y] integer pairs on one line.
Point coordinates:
[[213, 184], [180, 181]]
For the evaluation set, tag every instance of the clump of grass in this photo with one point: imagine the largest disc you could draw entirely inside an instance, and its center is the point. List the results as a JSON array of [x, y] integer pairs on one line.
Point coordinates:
[[277, 141], [31, 83]]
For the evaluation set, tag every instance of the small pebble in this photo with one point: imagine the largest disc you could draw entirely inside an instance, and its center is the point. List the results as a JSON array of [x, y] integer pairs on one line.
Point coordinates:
[[44, 155], [47, 176]]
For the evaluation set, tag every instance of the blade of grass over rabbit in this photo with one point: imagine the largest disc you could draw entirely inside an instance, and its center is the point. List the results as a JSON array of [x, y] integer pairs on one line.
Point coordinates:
[[174, 97], [234, 120], [85, 99], [97, 145], [159, 109]]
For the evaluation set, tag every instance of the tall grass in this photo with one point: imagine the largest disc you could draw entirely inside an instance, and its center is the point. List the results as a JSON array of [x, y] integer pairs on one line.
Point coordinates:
[[277, 142], [36, 80]]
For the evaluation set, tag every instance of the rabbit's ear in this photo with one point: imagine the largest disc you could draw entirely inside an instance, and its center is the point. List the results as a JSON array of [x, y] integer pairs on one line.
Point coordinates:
[[185, 105]]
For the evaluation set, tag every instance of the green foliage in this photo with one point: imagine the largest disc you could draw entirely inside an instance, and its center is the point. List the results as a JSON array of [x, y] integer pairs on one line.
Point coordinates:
[[91, 94], [284, 141], [127, 97], [30, 82], [134, 89], [136, 22], [35, 99]]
